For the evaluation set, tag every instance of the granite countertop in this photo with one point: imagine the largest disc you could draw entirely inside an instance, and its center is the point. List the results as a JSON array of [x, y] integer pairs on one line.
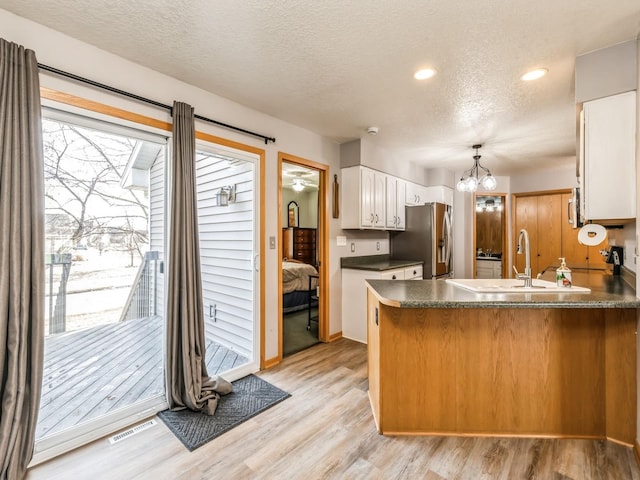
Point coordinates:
[[376, 263], [607, 291]]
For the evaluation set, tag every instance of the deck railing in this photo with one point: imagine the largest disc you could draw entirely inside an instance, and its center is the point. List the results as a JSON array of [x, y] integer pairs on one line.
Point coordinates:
[[142, 301], [57, 300]]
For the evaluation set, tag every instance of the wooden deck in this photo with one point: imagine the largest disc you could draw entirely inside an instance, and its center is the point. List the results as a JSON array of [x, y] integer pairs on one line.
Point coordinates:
[[96, 371]]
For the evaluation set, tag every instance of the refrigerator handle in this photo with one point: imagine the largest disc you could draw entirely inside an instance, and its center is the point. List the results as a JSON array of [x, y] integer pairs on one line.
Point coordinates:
[[446, 231]]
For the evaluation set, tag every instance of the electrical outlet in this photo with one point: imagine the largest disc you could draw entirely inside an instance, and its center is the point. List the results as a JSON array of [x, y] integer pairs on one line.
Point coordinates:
[[353, 247], [378, 246]]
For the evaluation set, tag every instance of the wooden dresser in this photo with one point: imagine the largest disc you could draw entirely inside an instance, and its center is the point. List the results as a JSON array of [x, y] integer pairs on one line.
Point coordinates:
[[300, 244]]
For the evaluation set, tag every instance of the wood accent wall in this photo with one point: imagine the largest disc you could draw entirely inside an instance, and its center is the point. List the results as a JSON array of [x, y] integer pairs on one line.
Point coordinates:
[[532, 372]]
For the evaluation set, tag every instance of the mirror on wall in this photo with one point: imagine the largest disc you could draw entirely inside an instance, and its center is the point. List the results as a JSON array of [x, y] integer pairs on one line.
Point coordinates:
[[490, 236], [293, 214]]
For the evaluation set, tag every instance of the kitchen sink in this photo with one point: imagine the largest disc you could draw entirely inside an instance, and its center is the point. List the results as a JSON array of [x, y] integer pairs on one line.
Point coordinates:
[[511, 285]]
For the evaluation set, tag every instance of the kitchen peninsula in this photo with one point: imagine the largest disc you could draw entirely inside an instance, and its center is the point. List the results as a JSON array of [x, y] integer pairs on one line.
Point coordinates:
[[444, 360]]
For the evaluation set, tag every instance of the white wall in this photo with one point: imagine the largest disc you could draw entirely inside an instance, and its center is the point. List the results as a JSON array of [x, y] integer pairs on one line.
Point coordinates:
[[307, 201], [620, 64], [65, 53], [463, 213], [562, 177], [365, 152]]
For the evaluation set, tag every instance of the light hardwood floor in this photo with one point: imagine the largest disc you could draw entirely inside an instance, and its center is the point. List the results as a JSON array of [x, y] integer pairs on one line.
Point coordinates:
[[326, 430]]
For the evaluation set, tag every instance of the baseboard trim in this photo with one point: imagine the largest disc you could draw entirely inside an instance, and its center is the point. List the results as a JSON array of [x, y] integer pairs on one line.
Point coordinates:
[[272, 362], [636, 449], [335, 336]]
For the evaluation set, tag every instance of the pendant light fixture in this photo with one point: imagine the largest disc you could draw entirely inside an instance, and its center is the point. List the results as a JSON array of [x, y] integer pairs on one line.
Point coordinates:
[[476, 175]]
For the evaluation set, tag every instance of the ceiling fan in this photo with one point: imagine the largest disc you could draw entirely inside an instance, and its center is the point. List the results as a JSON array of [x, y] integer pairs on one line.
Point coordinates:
[[299, 179]]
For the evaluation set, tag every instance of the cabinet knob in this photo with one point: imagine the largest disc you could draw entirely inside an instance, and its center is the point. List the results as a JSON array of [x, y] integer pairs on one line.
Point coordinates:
[[393, 277]]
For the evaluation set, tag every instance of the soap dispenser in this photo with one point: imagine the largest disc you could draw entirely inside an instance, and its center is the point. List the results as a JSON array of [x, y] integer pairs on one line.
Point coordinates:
[[563, 275]]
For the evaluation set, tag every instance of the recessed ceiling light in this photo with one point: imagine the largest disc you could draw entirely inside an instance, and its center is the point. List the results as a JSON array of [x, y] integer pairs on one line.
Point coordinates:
[[424, 73], [534, 74]]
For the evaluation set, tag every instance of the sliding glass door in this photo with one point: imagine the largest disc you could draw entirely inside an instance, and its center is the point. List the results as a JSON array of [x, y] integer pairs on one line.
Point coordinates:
[[229, 247], [105, 248]]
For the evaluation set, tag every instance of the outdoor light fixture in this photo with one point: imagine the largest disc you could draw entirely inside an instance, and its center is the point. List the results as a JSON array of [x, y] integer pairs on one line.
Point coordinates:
[[225, 195], [476, 175]]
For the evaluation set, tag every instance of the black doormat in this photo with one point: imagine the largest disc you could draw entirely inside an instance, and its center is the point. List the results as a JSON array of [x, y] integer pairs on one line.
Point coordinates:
[[251, 395]]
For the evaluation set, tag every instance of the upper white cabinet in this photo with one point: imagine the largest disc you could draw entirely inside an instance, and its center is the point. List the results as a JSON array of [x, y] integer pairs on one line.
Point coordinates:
[[363, 198], [419, 194], [395, 203], [608, 170], [416, 194], [401, 189], [440, 194], [372, 199]]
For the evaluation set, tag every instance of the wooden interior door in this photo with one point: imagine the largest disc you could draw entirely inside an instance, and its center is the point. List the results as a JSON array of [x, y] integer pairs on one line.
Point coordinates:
[[549, 245], [541, 216]]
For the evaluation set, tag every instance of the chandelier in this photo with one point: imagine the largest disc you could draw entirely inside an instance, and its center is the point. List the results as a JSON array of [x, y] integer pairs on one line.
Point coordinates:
[[476, 175]]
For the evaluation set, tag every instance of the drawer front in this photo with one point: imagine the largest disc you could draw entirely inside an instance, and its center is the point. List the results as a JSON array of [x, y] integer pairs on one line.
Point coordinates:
[[413, 273], [392, 275], [309, 234]]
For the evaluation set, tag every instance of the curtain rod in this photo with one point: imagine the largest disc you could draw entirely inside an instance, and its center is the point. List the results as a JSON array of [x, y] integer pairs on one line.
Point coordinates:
[[149, 101]]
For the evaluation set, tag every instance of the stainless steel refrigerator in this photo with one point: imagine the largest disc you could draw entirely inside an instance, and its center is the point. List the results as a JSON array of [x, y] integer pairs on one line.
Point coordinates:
[[427, 237]]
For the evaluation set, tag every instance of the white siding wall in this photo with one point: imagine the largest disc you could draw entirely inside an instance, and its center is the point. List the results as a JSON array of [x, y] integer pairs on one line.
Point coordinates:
[[226, 254], [156, 221]]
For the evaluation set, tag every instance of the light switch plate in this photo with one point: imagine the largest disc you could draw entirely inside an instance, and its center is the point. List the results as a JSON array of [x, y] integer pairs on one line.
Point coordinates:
[[272, 243]]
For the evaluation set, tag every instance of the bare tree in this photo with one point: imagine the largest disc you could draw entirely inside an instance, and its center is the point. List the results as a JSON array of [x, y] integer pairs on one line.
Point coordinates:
[[83, 172]]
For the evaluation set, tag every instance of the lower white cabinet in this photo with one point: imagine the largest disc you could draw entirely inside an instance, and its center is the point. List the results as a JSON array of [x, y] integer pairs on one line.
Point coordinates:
[[354, 296], [488, 268]]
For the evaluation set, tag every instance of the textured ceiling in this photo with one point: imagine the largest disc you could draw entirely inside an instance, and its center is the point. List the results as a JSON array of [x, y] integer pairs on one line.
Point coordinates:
[[336, 67]]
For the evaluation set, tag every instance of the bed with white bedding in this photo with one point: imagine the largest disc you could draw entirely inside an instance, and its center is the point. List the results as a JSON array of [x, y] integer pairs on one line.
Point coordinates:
[[299, 281]]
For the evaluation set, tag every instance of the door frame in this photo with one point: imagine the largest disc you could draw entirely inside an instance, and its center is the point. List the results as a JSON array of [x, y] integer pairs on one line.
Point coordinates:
[[322, 244], [504, 233]]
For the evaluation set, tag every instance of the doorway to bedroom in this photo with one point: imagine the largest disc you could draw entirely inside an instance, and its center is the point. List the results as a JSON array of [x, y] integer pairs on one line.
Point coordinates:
[[302, 209]]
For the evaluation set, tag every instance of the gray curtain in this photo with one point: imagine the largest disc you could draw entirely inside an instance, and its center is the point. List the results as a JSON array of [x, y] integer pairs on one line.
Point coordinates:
[[21, 257], [188, 384]]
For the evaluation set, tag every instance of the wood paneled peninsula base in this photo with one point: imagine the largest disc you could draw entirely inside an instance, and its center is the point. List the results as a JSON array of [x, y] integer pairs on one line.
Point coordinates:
[[446, 361]]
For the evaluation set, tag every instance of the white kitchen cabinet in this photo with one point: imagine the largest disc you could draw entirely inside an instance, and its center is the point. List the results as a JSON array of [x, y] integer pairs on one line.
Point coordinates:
[[413, 273], [391, 207], [416, 194], [401, 189], [439, 193], [608, 166], [488, 268], [394, 203], [363, 194], [354, 296]]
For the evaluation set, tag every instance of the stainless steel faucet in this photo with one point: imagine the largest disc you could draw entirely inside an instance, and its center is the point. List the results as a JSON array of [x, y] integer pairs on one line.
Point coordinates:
[[526, 276]]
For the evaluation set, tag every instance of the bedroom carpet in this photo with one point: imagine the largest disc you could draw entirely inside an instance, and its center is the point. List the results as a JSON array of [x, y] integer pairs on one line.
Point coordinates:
[[296, 337], [251, 395]]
